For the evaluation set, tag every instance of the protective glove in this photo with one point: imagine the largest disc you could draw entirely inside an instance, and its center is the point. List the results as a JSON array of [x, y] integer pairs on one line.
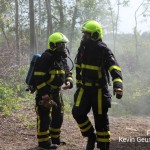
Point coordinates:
[[118, 92], [47, 101]]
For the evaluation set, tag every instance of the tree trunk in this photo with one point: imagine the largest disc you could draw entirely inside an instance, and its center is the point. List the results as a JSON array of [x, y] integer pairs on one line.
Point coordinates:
[[135, 34], [49, 18], [73, 26], [61, 14], [113, 23], [116, 25], [39, 43], [5, 36], [32, 30], [17, 33]]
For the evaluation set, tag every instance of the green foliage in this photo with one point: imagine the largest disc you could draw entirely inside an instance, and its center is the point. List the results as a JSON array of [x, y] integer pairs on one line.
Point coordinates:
[[134, 63], [8, 98], [67, 102], [136, 81], [136, 96], [12, 91]]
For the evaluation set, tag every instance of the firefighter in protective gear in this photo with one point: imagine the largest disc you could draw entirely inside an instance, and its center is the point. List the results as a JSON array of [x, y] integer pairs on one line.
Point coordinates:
[[94, 62], [51, 72]]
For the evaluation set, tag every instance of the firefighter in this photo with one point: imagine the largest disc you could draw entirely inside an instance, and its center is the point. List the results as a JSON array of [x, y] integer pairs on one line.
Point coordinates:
[[94, 61], [51, 72]]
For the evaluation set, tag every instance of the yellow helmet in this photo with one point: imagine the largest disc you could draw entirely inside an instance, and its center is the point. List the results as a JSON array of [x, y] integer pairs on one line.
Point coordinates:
[[94, 28], [55, 38]]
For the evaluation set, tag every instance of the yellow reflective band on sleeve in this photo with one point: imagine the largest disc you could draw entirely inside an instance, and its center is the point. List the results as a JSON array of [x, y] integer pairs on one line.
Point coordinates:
[[41, 85], [117, 80], [79, 97], [57, 72], [83, 124], [103, 140], [78, 66], [39, 73], [114, 67], [90, 67], [55, 130], [86, 129], [103, 133], [99, 101], [44, 139], [69, 78]]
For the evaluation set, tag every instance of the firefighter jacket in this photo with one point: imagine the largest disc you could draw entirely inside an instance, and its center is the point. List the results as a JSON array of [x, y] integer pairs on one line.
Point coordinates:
[[51, 72], [93, 62]]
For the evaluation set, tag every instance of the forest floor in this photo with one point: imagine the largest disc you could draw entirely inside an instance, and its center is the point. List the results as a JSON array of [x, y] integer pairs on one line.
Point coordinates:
[[18, 132]]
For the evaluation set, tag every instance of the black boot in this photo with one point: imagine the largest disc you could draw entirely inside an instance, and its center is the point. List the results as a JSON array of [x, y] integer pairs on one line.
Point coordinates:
[[46, 145], [103, 146], [106, 148], [91, 142], [58, 141]]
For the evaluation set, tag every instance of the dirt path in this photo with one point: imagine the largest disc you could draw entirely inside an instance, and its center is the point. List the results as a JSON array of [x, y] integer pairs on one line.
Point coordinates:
[[18, 132]]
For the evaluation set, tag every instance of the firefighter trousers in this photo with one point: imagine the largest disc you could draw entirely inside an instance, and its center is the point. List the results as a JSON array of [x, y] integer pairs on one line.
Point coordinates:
[[49, 121], [88, 98]]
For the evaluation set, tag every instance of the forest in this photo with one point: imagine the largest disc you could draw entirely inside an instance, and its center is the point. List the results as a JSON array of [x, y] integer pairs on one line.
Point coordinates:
[[25, 26]]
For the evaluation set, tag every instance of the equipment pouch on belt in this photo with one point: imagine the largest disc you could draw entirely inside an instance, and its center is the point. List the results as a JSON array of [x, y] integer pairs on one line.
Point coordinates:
[[48, 102]]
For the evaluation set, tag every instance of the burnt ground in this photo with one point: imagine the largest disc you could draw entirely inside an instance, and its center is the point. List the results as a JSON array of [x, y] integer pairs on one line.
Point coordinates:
[[18, 132]]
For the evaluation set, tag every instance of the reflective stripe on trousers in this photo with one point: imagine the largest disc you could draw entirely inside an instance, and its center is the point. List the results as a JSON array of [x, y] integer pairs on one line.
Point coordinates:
[[99, 105]]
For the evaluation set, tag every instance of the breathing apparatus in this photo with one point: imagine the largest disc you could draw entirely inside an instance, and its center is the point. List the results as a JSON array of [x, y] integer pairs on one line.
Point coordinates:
[[57, 44]]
